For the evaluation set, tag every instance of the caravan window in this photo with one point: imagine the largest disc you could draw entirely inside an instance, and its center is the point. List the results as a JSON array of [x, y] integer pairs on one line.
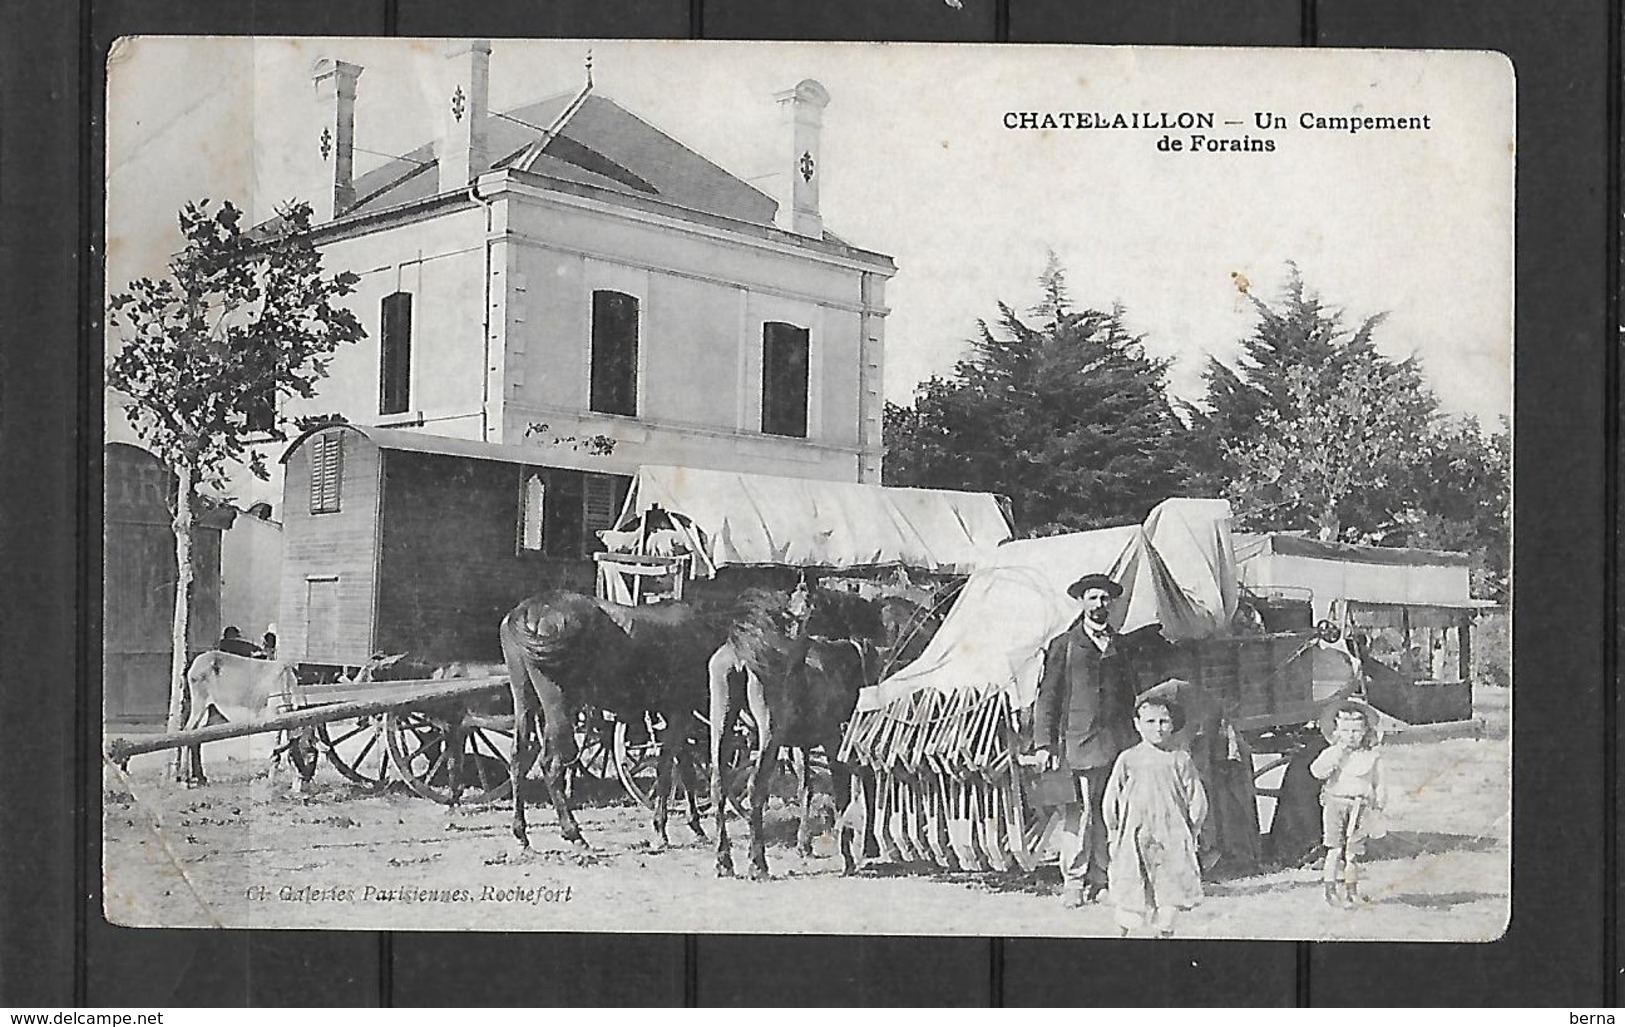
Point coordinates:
[[562, 511], [326, 471]]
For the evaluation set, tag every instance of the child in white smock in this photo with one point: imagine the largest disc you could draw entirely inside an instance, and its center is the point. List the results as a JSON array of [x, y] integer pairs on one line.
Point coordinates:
[[1154, 807]]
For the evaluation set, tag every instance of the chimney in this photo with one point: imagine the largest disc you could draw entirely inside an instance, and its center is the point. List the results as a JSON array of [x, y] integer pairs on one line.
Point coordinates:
[[801, 112], [334, 189], [463, 149]]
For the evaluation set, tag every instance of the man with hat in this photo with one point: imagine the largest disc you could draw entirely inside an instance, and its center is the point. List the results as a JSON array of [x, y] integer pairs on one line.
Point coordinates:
[[1083, 718]]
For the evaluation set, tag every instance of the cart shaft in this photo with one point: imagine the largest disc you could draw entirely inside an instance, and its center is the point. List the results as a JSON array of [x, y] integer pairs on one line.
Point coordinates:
[[383, 697]]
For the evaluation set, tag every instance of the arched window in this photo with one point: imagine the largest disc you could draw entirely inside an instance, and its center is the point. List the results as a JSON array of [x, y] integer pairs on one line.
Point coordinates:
[[326, 471], [784, 379], [614, 353], [395, 354]]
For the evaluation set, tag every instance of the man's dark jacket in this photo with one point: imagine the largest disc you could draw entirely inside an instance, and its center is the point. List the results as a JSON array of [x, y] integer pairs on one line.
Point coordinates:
[[1085, 708]]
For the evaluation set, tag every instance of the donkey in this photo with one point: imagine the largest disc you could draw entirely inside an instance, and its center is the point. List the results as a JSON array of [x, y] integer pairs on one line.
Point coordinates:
[[239, 689]]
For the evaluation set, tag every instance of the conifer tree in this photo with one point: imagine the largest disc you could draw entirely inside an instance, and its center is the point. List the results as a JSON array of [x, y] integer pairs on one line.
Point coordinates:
[[1312, 429], [1062, 411]]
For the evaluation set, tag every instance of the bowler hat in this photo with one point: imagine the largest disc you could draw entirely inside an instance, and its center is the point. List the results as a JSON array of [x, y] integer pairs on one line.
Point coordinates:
[[1088, 581]]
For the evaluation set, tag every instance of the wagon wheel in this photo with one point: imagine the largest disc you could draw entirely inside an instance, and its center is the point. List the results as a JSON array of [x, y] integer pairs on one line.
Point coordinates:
[[417, 748], [595, 750], [357, 749], [635, 763]]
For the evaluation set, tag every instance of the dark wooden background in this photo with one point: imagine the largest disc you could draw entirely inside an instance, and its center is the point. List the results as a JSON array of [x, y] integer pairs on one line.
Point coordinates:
[[1562, 947]]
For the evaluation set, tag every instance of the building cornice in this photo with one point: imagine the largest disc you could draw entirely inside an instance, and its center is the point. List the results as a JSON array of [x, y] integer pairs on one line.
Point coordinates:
[[546, 189], [674, 271], [563, 192]]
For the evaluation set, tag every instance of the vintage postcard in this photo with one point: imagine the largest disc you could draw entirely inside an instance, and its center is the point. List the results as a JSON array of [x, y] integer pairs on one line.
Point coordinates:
[[808, 488]]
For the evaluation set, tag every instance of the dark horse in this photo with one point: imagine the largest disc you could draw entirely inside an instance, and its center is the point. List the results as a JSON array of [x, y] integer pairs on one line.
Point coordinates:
[[565, 650], [797, 662], [908, 629]]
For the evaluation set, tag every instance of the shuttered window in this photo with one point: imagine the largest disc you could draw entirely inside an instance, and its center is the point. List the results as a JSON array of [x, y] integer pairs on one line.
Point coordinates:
[[603, 499], [784, 379], [614, 353], [262, 410], [395, 354], [562, 511], [326, 471]]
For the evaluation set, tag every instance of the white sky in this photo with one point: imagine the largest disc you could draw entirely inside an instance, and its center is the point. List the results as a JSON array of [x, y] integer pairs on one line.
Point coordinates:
[[917, 164]]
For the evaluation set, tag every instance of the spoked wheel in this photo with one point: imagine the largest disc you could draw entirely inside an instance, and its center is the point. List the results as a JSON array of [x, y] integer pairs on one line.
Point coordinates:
[[595, 750], [417, 748], [358, 750], [635, 762]]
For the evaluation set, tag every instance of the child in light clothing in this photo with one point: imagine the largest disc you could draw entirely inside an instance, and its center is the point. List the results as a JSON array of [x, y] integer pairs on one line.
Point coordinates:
[[1351, 768], [1153, 809]]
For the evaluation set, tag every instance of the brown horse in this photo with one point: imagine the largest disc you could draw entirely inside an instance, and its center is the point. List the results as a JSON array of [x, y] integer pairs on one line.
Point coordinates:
[[797, 662], [565, 650]]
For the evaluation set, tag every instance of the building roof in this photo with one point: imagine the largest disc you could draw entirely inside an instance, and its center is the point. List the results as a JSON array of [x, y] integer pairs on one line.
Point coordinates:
[[1335, 572], [602, 144]]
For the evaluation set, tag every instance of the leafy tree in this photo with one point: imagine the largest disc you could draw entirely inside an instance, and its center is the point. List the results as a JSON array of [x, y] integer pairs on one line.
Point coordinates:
[[1339, 456], [1464, 501], [1313, 429], [1061, 411], [242, 319]]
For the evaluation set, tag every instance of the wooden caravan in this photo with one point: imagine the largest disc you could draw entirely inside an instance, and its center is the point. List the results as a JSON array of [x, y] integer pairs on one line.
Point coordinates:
[[1407, 614], [403, 542]]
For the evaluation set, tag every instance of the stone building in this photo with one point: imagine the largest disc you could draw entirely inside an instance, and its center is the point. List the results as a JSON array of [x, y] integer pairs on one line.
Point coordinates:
[[567, 276]]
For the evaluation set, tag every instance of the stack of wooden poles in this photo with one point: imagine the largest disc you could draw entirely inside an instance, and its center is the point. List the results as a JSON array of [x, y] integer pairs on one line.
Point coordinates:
[[947, 790]]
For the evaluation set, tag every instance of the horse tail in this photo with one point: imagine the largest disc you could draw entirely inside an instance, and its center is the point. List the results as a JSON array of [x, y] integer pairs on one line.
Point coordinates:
[[555, 631]]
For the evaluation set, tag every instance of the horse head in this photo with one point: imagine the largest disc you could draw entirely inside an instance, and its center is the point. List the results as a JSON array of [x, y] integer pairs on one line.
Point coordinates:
[[799, 607]]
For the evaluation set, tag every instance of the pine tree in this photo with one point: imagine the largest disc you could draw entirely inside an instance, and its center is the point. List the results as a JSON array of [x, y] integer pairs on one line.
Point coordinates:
[[1062, 411]]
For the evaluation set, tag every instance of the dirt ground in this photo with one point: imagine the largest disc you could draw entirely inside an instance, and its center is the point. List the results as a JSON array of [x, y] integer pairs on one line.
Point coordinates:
[[239, 852]]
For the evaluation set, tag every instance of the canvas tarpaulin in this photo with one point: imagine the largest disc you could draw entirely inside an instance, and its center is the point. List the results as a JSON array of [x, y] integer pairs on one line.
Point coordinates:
[[1177, 570], [730, 518], [938, 733], [1341, 574]]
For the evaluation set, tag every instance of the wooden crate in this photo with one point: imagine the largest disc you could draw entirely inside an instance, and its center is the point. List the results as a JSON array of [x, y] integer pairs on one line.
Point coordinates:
[[1422, 702], [1261, 680]]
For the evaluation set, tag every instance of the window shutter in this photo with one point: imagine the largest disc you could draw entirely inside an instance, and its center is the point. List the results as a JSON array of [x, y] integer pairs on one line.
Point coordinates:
[[326, 471], [262, 410], [599, 508], [395, 354]]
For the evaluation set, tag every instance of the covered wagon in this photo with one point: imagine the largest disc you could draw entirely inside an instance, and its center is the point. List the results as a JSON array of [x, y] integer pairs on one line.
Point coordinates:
[[724, 529], [943, 735]]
